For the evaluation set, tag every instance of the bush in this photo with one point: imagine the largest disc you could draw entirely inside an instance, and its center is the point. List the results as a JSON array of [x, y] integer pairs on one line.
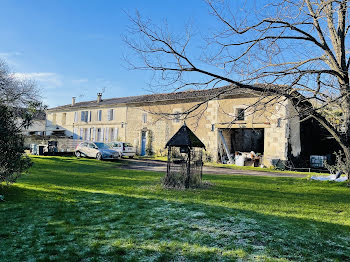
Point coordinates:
[[341, 165], [13, 162]]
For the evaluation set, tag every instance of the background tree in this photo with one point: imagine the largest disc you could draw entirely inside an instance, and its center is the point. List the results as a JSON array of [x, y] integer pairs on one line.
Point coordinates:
[[19, 103], [295, 50]]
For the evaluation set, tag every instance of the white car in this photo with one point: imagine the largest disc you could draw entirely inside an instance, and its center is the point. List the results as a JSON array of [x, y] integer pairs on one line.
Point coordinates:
[[96, 150], [125, 149]]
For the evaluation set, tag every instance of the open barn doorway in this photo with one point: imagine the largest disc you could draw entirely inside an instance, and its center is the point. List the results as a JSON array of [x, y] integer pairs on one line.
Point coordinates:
[[240, 141]]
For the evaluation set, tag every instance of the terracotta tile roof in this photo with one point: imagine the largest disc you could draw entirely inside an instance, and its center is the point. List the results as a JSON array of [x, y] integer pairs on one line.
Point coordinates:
[[178, 96]]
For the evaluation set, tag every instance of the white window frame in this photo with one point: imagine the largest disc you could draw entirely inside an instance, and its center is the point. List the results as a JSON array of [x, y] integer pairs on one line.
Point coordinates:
[[115, 134], [84, 116], [99, 115], [75, 117], [89, 116], [99, 134], [110, 116]]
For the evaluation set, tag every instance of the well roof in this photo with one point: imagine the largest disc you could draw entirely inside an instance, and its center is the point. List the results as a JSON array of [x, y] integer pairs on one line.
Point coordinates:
[[185, 137]]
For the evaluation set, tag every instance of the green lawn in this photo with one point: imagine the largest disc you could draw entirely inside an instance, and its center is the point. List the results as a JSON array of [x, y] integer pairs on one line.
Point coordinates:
[[69, 209]]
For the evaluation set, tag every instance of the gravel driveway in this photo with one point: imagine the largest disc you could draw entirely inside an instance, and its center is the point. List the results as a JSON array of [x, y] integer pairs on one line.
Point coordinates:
[[159, 166]]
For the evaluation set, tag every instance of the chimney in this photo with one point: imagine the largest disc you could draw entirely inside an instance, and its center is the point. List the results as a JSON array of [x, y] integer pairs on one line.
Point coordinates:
[[99, 97], [73, 100]]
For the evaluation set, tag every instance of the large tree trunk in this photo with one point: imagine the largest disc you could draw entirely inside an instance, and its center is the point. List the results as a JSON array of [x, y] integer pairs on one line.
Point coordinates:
[[347, 117]]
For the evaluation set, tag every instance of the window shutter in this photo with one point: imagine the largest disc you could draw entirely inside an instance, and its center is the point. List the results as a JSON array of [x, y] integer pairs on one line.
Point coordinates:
[[99, 115], [102, 134], [112, 114], [94, 134], [107, 133], [75, 133], [89, 117], [90, 132], [109, 114], [111, 134], [81, 133], [75, 117], [116, 134]]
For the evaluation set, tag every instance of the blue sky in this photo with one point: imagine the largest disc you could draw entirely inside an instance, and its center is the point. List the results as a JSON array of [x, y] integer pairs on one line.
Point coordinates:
[[74, 48]]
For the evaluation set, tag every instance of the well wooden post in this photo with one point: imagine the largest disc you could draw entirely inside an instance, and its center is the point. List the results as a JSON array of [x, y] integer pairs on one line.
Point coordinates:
[[168, 163], [187, 184]]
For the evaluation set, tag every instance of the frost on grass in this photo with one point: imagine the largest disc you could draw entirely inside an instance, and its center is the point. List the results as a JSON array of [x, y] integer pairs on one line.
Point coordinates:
[[226, 232]]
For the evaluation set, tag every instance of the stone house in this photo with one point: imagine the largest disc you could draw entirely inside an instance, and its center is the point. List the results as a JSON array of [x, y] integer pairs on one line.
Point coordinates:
[[243, 119]]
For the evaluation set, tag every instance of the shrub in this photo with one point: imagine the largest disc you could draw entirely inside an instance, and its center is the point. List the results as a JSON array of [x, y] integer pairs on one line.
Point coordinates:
[[13, 161], [341, 165]]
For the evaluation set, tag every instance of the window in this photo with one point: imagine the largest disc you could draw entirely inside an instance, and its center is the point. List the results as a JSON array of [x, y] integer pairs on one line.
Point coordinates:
[[75, 133], [54, 119], [106, 136], [90, 133], [279, 120], [81, 133], [99, 115], [177, 117], [85, 134], [64, 117], [93, 134], [115, 134], [84, 116], [240, 114], [99, 134], [110, 114], [144, 118]]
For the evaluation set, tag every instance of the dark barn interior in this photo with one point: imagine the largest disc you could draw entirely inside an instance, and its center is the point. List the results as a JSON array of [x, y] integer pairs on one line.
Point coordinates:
[[247, 139], [244, 139], [315, 140]]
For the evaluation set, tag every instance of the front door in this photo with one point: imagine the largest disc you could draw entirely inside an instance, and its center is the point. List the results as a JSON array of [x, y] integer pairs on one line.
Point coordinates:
[[143, 143]]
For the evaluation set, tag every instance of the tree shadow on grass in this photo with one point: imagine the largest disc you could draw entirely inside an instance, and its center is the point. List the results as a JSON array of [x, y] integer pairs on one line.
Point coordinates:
[[77, 224]]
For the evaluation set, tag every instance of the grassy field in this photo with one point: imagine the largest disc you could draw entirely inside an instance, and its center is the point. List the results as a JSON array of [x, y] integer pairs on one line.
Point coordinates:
[[69, 209]]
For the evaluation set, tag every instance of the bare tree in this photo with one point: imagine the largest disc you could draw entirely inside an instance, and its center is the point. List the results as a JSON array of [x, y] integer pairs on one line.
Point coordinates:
[[22, 95], [295, 49]]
